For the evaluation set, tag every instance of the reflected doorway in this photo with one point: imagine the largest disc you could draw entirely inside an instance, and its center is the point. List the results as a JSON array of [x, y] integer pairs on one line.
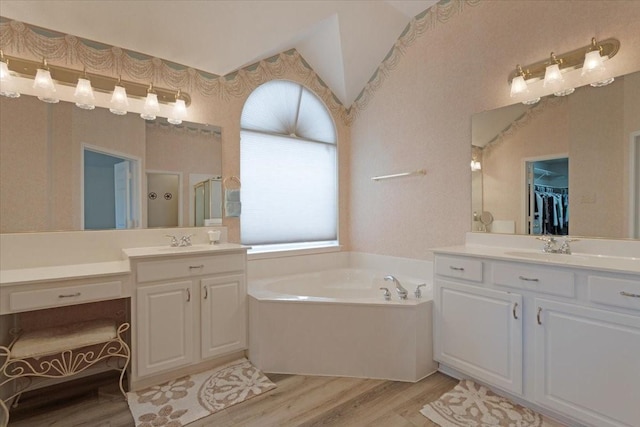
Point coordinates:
[[110, 190], [547, 207], [163, 199]]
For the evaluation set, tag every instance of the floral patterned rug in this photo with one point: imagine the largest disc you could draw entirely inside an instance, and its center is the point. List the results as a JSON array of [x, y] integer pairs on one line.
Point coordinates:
[[184, 400], [469, 404]]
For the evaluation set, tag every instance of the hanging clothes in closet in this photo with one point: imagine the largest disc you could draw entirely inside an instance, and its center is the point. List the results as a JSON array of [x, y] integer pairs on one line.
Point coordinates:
[[551, 215]]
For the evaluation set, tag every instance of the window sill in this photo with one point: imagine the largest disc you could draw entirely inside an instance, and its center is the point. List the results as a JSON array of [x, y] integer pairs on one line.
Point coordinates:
[[282, 251]]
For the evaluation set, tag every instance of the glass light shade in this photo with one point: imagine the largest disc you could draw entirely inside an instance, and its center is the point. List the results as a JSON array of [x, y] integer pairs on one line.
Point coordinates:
[[552, 76], [565, 92], [592, 63], [593, 67], [151, 107], [603, 82], [531, 101], [119, 101], [518, 86], [84, 95], [475, 165], [178, 112], [45, 88], [7, 82]]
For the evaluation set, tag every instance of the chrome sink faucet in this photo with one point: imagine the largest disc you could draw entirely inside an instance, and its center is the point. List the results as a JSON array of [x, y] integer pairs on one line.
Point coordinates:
[[550, 244], [551, 247], [402, 292], [174, 240], [185, 240]]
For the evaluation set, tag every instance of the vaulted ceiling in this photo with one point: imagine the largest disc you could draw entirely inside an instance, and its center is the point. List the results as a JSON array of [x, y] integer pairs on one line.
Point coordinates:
[[344, 41]]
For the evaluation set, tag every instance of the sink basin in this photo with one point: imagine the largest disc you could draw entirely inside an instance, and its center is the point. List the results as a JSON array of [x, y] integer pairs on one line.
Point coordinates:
[[542, 256]]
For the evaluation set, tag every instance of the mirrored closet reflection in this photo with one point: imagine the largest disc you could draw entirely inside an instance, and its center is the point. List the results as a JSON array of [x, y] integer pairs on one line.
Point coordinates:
[[566, 165]]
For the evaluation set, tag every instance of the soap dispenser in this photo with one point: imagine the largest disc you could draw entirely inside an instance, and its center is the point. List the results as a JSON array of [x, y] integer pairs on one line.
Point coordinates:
[[214, 236]]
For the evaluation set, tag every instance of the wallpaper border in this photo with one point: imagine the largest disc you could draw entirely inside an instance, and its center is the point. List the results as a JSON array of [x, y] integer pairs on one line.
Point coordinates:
[[18, 39]]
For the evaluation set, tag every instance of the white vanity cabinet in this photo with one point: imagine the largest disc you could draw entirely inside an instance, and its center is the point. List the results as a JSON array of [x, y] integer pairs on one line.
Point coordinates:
[[164, 324], [563, 338], [189, 308], [477, 330], [224, 315], [587, 363]]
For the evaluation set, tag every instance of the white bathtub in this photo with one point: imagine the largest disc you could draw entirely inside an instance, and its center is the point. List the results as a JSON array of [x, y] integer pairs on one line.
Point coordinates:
[[337, 323]]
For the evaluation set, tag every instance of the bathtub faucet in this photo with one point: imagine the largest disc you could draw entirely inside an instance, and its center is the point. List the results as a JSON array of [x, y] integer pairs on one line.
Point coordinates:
[[402, 292]]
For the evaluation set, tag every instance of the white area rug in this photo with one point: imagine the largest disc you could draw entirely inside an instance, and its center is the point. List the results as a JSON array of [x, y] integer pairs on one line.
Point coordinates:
[[470, 404], [190, 398]]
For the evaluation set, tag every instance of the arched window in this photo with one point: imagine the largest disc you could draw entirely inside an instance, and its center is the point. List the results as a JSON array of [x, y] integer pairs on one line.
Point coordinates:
[[288, 165]]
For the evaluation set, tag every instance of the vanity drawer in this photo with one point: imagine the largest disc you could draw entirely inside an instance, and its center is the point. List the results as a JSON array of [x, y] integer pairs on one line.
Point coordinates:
[[459, 268], [63, 295], [150, 271], [539, 279], [615, 292]]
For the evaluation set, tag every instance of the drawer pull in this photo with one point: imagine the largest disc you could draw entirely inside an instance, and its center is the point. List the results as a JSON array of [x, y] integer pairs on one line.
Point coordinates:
[[538, 316], [193, 267], [515, 305], [77, 294], [628, 294], [456, 268], [528, 279]]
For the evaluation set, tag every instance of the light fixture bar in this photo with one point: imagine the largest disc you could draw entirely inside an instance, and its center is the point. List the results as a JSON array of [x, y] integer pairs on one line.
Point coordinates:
[[570, 60], [100, 83]]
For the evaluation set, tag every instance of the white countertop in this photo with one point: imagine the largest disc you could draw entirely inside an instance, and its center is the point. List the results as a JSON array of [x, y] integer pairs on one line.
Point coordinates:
[[107, 268], [576, 260], [200, 249], [63, 272]]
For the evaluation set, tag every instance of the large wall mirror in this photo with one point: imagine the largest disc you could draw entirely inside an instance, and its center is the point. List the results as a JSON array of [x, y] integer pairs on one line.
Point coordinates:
[[567, 165], [64, 168]]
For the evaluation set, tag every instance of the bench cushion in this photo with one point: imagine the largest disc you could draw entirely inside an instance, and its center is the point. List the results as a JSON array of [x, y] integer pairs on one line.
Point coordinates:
[[60, 338]]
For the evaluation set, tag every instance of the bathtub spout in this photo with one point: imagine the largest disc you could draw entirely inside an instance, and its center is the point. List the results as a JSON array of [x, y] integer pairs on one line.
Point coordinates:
[[402, 292]]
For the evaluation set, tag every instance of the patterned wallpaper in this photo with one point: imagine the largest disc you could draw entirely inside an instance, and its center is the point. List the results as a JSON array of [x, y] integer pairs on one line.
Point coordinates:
[[27, 41]]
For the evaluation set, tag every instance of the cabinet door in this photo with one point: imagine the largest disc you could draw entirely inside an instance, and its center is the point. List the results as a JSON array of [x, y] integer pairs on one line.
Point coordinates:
[[479, 332], [588, 363], [165, 324], [224, 315]]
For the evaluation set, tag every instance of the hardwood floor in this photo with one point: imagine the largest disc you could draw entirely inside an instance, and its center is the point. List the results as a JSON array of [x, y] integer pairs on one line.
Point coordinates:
[[297, 401]]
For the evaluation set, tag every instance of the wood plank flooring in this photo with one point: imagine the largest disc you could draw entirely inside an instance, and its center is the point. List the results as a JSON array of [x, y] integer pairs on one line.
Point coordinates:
[[297, 401]]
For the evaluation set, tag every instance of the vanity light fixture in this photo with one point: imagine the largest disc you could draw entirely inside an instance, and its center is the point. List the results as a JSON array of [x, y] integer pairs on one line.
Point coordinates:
[[519, 84], [44, 85], [84, 94], [520, 88], [553, 78], [588, 58], [7, 82], [179, 110], [151, 106], [593, 64], [119, 101], [475, 165]]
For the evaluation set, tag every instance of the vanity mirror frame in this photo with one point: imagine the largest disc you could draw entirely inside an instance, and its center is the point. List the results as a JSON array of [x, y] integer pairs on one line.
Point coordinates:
[[623, 128]]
